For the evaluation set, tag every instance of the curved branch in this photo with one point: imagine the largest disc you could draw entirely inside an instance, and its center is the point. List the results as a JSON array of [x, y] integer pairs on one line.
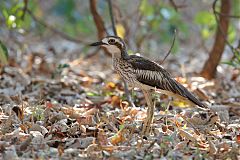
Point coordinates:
[[53, 29]]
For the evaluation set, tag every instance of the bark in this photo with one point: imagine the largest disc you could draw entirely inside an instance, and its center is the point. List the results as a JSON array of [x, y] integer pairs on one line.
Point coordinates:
[[98, 22], [209, 69], [97, 19]]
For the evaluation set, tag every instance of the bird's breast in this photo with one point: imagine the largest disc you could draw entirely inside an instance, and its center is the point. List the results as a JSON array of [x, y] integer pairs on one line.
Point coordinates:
[[124, 69]]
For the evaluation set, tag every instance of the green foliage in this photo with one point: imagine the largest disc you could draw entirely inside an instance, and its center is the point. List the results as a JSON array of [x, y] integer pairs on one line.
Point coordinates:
[[38, 113], [3, 54], [146, 8], [163, 19], [12, 13], [74, 21], [235, 61], [207, 22], [236, 8], [231, 33]]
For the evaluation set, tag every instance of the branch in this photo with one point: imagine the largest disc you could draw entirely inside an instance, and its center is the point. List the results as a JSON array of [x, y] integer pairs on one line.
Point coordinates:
[[97, 19], [24, 9], [112, 18], [175, 6], [226, 15], [175, 33], [209, 68], [53, 29], [220, 26]]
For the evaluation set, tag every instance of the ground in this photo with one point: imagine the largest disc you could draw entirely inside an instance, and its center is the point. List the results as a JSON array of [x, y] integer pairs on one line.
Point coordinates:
[[56, 103]]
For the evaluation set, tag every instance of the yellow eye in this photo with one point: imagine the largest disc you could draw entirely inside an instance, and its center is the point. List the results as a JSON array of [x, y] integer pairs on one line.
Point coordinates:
[[111, 41]]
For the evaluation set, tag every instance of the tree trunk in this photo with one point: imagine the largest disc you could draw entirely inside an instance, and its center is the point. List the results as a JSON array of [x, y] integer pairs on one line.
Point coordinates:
[[209, 69], [98, 22]]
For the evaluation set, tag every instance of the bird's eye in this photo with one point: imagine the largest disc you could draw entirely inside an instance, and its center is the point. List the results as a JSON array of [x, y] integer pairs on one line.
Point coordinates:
[[111, 41]]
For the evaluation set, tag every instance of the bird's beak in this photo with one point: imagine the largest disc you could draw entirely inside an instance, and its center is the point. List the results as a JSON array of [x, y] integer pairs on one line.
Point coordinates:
[[97, 43]]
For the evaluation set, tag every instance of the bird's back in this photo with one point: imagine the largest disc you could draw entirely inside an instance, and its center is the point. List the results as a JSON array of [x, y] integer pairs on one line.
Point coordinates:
[[152, 74]]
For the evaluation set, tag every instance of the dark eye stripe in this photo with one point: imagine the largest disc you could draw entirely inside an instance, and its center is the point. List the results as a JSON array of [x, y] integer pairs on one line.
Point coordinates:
[[111, 41]]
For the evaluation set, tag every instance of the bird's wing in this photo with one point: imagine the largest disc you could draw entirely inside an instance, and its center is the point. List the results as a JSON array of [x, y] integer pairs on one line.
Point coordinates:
[[154, 75]]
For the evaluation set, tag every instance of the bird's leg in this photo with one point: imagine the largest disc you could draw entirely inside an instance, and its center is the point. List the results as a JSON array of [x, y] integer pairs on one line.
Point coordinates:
[[129, 98], [150, 113]]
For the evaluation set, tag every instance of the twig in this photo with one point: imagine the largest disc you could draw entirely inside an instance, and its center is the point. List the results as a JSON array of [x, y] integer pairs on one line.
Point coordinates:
[[24, 9], [112, 18], [53, 29], [227, 15], [175, 33], [175, 6], [220, 26]]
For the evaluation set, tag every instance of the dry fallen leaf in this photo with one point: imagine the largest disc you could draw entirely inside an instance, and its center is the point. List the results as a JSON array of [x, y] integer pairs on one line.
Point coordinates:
[[86, 120], [188, 136], [117, 138], [110, 86], [102, 137], [212, 147]]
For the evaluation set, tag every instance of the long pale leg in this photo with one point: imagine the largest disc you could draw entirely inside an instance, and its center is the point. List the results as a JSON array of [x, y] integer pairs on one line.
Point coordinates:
[[150, 113]]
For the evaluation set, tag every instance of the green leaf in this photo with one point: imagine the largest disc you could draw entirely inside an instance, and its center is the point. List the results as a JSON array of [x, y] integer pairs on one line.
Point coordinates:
[[3, 54], [231, 33], [205, 32], [228, 63], [205, 18], [146, 8], [121, 127]]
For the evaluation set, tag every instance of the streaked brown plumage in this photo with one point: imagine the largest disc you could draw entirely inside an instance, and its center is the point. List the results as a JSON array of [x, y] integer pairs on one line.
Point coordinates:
[[143, 73]]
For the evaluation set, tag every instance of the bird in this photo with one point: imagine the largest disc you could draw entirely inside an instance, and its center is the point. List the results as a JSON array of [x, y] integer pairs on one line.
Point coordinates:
[[143, 73]]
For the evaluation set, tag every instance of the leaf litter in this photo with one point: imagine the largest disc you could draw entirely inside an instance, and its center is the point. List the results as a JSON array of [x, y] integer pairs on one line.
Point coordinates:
[[52, 110]]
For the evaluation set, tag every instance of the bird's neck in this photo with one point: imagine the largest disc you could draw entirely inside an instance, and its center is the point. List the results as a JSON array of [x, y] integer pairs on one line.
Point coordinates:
[[124, 54], [120, 55]]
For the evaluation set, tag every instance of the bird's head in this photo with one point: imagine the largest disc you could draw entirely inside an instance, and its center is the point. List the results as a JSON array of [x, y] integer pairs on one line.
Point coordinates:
[[113, 44]]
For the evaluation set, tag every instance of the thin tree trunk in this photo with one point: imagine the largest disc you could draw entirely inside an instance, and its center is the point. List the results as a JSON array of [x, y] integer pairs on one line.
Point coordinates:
[[98, 22], [209, 69]]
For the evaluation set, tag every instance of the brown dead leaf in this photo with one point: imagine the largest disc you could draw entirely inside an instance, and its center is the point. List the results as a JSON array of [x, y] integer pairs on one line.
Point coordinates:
[[23, 146], [91, 111], [188, 136], [204, 118], [86, 120], [164, 128], [133, 112], [115, 101], [18, 112], [24, 127], [223, 147], [181, 145], [48, 104], [212, 147], [102, 137], [60, 149], [118, 138], [124, 105], [86, 81], [110, 86], [238, 139]]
